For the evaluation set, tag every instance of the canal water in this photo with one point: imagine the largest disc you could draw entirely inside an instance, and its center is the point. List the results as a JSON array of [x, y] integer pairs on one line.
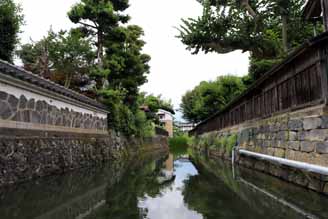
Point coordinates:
[[161, 186]]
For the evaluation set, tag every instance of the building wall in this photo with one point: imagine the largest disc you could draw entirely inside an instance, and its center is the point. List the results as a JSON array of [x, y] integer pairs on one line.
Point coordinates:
[[169, 127], [29, 109], [60, 103], [167, 119], [167, 116], [185, 127]]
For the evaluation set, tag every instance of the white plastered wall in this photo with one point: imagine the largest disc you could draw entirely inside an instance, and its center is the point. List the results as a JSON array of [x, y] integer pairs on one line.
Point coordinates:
[[17, 92]]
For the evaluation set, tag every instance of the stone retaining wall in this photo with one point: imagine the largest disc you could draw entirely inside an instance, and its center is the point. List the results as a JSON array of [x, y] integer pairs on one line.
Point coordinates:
[[301, 136], [23, 158]]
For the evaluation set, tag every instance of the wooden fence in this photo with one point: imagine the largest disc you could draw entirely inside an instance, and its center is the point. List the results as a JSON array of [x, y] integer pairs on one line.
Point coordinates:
[[299, 81]]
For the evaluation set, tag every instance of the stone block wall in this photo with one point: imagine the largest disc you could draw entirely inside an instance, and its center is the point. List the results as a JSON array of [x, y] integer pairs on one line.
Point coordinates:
[[301, 136], [40, 112], [24, 158]]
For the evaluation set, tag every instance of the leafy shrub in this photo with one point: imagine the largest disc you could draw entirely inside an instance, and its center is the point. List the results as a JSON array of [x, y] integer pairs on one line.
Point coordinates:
[[225, 142], [231, 142], [177, 141], [179, 144]]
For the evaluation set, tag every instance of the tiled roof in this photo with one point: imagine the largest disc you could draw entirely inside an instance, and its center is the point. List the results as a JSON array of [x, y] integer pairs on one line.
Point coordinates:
[[23, 75]]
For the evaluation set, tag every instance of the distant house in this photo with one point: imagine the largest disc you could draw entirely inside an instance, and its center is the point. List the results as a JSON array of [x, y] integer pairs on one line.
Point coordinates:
[[185, 127], [166, 120]]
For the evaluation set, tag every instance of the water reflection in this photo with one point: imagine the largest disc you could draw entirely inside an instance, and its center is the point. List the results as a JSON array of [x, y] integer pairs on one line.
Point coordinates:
[[167, 173], [170, 204], [216, 193], [161, 186]]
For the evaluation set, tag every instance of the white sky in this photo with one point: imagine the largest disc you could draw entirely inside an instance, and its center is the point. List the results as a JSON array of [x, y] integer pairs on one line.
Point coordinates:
[[173, 69]]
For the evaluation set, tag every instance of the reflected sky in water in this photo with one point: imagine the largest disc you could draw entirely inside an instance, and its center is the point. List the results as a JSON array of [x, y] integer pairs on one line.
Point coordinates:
[[157, 187], [170, 203]]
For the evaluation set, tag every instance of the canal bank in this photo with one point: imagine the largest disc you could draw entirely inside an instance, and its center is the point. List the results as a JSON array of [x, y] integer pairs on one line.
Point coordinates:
[[278, 125], [156, 185], [30, 157], [266, 195], [78, 193]]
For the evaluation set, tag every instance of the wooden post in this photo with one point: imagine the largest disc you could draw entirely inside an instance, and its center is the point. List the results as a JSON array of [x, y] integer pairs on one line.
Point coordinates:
[[323, 69], [324, 6]]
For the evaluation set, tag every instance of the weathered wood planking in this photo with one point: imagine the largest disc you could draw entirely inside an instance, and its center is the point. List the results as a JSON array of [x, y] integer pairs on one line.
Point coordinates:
[[298, 82]]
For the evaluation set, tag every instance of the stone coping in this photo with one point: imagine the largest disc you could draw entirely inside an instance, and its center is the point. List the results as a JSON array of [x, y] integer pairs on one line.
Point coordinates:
[[50, 128], [8, 71]]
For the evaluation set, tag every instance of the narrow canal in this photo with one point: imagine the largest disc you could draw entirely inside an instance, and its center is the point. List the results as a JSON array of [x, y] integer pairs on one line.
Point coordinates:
[[160, 186]]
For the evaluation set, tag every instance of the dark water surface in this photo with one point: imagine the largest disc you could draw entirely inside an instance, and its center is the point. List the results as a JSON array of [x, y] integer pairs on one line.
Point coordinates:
[[162, 187]]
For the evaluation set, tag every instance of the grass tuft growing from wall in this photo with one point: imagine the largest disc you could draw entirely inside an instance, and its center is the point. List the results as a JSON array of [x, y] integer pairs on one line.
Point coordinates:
[[226, 142]]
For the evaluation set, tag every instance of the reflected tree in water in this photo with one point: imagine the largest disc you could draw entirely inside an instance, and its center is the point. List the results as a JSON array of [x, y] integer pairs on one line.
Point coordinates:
[[138, 182]]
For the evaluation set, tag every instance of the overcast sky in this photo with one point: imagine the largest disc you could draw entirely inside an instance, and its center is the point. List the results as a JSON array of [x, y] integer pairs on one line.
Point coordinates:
[[173, 69]]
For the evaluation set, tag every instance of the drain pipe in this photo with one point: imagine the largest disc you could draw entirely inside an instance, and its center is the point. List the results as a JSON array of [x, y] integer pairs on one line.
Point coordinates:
[[291, 163], [233, 155]]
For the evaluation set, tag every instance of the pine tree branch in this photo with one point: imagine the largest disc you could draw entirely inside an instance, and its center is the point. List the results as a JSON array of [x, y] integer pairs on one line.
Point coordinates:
[[88, 25]]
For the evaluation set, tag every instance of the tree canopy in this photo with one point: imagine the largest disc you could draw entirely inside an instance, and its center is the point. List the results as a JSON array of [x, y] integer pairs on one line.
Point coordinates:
[[128, 66], [10, 21], [209, 97], [64, 55], [151, 104], [98, 18], [268, 29], [121, 64], [121, 67], [102, 58]]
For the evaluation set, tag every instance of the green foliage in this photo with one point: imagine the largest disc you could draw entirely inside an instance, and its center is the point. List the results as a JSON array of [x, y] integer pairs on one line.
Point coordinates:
[[151, 104], [35, 55], [209, 97], [223, 141], [176, 130], [179, 141], [139, 180], [231, 143], [257, 68], [127, 64], [99, 18], [268, 29], [154, 103], [59, 55], [178, 145], [103, 59], [121, 66], [73, 55], [144, 127], [121, 63], [122, 118], [11, 20], [226, 142], [253, 26]]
